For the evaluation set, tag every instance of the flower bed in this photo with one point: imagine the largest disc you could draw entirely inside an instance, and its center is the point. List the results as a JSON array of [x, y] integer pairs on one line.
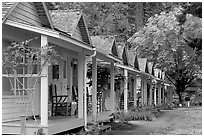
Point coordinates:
[[137, 113]]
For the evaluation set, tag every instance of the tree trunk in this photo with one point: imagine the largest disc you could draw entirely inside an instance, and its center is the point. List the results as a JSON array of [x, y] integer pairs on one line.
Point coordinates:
[[179, 91]]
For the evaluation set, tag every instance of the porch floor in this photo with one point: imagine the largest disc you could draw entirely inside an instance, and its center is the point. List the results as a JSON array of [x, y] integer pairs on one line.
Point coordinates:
[[56, 124]]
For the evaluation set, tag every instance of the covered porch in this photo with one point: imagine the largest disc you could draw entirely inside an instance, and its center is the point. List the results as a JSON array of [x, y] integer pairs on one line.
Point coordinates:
[[73, 53]]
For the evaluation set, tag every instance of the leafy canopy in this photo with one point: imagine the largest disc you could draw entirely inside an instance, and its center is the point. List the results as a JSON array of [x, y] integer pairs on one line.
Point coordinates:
[[172, 40]]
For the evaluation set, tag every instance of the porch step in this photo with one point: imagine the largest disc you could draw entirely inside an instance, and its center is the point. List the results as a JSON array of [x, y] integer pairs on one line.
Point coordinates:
[[105, 128]]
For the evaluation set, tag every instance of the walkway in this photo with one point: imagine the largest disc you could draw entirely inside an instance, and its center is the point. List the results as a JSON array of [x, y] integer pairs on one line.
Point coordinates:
[[177, 122]]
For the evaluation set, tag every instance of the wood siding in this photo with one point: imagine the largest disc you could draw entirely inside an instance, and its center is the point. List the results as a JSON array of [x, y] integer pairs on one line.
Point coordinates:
[[13, 107], [77, 34], [25, 12]]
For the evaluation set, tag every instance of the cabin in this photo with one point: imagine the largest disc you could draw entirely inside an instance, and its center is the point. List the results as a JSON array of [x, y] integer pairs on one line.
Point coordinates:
[[28, 109], [103, 98]]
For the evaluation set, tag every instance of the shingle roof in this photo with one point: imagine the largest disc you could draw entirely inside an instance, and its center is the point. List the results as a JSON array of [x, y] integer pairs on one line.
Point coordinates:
[[150, 65], [156, 72], [142, 63], [103, 43], [121, 48], [131, 57], [65, 21], [6, 7], [136, 64]]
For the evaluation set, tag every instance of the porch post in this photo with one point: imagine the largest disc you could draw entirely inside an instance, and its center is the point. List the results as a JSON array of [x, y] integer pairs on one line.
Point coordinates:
[[69, 77], [135, 90], [126, 90], [159, 93], [85, 94], [142, 90], [81, 62], [163, 93], [155, 94], [150, 92], [44, 88], [94, 87], [145, 91], [112, 88]]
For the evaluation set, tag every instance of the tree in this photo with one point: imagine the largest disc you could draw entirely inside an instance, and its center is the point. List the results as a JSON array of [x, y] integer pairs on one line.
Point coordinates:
[[19, 62], [167, 40]]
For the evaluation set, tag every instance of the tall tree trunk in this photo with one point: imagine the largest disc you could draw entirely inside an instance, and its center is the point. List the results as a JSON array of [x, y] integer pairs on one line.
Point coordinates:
[[179, 90]]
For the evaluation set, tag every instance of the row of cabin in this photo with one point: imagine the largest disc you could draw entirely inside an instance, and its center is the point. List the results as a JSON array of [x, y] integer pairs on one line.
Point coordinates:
[[60, 100]]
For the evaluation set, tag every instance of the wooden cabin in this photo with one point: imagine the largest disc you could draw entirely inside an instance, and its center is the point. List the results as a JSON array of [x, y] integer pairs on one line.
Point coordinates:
[[67, 32], [103, 102], [131, 71]]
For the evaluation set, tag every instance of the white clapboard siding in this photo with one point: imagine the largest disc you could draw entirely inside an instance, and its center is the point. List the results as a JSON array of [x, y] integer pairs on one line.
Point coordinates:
[[25, 13], [13, 107]]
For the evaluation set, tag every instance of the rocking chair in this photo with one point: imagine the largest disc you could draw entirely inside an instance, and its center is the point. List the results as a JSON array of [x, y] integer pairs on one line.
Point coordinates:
[[60, 104]]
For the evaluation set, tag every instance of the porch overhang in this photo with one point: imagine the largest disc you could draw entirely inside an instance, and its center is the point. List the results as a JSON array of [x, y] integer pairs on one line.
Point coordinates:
[[49, 32], [107, 57]]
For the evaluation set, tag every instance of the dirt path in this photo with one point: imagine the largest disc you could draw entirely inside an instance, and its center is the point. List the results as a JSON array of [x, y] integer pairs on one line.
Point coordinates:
[[178, 121]]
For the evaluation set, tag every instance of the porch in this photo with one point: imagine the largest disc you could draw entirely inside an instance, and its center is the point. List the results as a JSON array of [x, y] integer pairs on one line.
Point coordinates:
[[56, 124]]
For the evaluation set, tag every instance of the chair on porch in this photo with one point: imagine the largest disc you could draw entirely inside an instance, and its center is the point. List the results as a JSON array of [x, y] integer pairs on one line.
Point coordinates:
[[60, 104], [75, 99]]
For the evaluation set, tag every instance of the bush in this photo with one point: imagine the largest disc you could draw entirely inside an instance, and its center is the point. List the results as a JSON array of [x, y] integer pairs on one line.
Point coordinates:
[[147, 113]]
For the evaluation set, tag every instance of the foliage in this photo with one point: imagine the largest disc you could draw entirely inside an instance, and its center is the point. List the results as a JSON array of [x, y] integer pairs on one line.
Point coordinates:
[[146, 113], [103, 76], [121, 126], [19, 54], [165, 41], [111, 18]]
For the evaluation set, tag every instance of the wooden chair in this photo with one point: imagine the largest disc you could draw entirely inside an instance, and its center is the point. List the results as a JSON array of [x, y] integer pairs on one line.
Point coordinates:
[[60, 104], [75, 97]]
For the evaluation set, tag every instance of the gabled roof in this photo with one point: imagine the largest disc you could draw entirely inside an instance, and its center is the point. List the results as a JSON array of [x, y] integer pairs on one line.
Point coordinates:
[[156, 73], [125, 57], [150, 66], [147, 67], [142, 64], [43, 14], [163, 75], [105, 44], [131, 57], [67, 22], [40, 7], [122, 53], [136, 64]]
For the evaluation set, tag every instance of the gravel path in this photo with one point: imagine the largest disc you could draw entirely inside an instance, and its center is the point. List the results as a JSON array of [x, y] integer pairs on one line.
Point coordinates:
[[181, 121]]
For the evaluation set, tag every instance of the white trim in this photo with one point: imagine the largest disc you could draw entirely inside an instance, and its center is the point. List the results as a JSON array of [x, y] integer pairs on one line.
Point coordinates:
[[76, 42], [138, 71], [47, 32], [44, 89], [107, 57], [48, 15], [43, 31], [128, 68], [126, 90]]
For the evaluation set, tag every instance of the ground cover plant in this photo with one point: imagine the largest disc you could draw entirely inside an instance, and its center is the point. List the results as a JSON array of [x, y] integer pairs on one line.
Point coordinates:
[[147, 113]]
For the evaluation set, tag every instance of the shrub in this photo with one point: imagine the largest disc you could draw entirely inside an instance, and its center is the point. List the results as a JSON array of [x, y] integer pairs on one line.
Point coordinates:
[[147, 113]]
